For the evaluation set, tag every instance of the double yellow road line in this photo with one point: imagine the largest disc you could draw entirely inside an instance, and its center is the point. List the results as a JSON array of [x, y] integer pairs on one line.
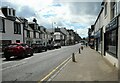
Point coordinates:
[[54, 70]]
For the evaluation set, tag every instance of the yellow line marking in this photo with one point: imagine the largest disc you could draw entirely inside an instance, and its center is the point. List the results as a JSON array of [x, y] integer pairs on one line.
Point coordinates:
[[54, 70]]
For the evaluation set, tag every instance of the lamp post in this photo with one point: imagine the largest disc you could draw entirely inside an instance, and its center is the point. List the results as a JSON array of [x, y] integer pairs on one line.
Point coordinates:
[[52, 39]]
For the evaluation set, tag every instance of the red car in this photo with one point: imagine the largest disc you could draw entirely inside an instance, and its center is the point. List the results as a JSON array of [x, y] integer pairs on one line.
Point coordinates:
[[17, 49]]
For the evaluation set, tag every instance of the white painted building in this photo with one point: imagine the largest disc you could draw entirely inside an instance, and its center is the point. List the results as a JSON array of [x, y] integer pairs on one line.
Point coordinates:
[[11, 28], [106, 30], [59, 36], [36, 33], [67, 36]]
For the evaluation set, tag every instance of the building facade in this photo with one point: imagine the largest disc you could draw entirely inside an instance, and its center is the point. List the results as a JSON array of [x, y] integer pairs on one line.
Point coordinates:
[[59, 36], [71, 37], [106, 31], [11, 29]]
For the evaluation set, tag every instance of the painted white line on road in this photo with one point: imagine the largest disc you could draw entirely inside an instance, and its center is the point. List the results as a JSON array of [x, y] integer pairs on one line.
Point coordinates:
[[13, 66], [6, 62], [27, 58]]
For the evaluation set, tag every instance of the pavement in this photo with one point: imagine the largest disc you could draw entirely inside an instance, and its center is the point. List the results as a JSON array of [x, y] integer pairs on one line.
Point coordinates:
[[89, 66]]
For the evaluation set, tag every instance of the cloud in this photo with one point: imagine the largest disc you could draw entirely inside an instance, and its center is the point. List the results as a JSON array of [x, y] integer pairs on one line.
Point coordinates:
[[56, 5], [81, 8], [82, 32], [25, 11], [77, 15]]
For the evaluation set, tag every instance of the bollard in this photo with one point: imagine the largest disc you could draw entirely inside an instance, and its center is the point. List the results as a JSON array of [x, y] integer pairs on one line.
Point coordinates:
[[73, 57], [81, 47], [79, 51]]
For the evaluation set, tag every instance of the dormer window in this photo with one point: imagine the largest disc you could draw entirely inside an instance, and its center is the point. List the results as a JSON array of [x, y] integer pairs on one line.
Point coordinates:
[[9, 11], [13, 12]]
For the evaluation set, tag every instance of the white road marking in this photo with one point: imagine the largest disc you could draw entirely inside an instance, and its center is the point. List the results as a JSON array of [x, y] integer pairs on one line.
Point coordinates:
[[13, 66], [6, 62]]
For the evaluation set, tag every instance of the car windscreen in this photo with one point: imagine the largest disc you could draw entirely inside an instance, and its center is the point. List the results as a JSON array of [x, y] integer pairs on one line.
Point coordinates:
[[23, 44], [13, 45]]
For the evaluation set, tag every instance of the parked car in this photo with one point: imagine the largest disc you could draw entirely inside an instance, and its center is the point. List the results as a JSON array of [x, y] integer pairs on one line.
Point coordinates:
[[57, 45], [38, 47], [50, 46], [2, 47], [17, 49]]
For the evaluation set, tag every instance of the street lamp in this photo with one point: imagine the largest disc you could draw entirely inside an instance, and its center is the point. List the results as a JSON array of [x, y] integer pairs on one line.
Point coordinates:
[[52, 38]]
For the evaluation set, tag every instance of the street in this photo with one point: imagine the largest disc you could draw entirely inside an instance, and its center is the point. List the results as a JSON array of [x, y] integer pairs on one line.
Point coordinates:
[[34, 68]]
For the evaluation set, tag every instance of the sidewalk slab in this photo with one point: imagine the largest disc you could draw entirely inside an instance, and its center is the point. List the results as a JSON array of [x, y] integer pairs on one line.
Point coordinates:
[[89, 66]]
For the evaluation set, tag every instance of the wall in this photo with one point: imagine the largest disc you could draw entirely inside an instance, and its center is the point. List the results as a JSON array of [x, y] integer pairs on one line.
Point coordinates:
[[9, 32], [107, 19], [57, 35], [119, 42]]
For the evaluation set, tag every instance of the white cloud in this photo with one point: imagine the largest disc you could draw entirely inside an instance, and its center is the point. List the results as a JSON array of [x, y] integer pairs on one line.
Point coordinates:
[[64, 14], [82, 32]]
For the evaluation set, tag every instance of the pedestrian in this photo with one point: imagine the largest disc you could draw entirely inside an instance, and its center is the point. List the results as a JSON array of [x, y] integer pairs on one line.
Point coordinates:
[[86, 45]]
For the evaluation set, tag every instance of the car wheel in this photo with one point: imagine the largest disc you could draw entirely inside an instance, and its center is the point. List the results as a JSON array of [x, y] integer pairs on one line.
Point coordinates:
[[31, 53], [39, 51], [23, 55], [35, 50], [7, 57], [46, 49]]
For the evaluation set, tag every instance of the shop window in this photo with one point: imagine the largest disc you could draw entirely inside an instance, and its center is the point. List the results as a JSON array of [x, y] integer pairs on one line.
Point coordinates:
[[111, 42]]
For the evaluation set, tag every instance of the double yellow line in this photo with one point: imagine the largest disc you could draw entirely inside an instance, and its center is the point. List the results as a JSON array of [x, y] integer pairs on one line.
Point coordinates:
[[48, 75]]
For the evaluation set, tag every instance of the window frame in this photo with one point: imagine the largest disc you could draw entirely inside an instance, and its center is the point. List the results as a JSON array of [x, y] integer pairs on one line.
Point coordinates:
[[17, 28], [113, 9], [109, 38], [34, 33], [9, 12], [13, 12], [28, 33], [105, 12]]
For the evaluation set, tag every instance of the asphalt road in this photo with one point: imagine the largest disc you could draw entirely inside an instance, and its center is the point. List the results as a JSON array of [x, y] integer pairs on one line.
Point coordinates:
[[34, 68]]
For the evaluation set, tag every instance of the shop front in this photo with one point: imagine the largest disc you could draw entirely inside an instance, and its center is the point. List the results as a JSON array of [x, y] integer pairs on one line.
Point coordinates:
[[98, 41], [111, 35]]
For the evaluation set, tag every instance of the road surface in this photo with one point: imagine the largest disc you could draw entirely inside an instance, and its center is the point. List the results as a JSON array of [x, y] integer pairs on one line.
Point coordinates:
[[34, 68]]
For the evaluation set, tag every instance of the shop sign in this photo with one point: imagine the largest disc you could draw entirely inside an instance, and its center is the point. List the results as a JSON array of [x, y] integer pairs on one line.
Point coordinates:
[[112, 25], [97, 34]]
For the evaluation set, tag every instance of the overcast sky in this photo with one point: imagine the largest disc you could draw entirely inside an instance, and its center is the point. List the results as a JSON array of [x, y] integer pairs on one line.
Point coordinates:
[[72, 14]]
